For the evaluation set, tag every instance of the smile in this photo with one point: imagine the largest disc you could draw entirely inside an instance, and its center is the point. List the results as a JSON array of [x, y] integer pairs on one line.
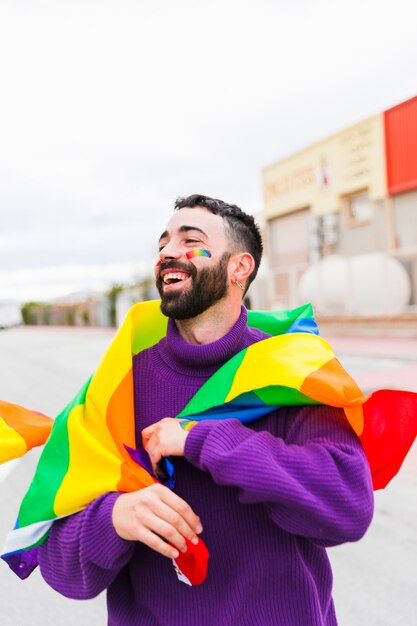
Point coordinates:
[[171, 278]]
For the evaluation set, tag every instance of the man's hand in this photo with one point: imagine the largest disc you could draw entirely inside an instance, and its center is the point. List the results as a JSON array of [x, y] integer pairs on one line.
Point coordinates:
[[164, 438], [154, 514]]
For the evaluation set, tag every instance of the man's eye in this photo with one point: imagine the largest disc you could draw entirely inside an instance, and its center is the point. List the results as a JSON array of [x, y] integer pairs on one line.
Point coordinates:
[[191, 241]]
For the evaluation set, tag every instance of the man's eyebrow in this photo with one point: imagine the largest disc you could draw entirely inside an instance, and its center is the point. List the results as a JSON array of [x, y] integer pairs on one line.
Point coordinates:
[[185, 229]]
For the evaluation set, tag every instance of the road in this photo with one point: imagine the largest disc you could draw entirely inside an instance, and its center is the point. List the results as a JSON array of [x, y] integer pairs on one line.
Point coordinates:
[[374, 578], [42, 369]]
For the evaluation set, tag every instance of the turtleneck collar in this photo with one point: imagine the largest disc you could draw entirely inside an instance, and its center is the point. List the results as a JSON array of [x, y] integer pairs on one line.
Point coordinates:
[[203, 359]]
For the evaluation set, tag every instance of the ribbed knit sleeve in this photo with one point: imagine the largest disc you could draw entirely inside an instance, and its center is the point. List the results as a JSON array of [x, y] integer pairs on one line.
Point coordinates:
[[83, 553], [315, 484]]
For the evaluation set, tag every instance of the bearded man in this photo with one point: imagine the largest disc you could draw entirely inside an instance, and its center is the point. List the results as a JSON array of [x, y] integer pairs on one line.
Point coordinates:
[[267, 497]]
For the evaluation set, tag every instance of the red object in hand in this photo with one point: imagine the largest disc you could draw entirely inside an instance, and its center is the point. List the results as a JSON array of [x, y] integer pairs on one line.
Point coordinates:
[[193, 563]]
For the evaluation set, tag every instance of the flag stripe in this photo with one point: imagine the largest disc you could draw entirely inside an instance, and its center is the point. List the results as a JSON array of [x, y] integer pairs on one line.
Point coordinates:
[[147, 325], [32, 426], [215, 389], [288, 397], [12, 444], [331, 384], [38, 502], [279, 322], [278, 359], [28, 536], [84, 474]]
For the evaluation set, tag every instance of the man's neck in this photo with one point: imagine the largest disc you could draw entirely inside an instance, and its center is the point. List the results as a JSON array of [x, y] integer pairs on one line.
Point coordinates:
[[210, 325]]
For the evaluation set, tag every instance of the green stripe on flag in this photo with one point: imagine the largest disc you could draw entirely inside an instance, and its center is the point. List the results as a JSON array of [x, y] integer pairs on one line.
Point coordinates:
[[215, 390], [278, 322], [38, 503], [151, 329], [279, 395]]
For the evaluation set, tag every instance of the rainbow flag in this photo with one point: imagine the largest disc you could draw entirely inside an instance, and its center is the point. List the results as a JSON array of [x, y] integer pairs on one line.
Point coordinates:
[[88, 451], [21, 430]]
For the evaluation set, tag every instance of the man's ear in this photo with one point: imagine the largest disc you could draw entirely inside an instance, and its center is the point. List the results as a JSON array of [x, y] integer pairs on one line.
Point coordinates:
[[242, 266]]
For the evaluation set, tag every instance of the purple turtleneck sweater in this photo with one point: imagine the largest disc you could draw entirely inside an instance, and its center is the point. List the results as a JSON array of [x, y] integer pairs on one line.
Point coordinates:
[[270, 496]]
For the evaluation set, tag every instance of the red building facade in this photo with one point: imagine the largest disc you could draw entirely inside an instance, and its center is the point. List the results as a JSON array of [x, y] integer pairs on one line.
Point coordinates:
[[400, 125]]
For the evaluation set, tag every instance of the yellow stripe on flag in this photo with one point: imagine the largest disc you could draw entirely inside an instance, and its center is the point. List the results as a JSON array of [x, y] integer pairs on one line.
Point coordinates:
[[97, 464], [12, 445], [283, 360], [113, 368], [143, 327], [94, 466]]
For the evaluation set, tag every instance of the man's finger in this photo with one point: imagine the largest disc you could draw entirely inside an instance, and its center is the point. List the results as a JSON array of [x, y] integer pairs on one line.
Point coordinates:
[[182, 508], [152, 540], [148, 432], [152, 447], [173, 519]]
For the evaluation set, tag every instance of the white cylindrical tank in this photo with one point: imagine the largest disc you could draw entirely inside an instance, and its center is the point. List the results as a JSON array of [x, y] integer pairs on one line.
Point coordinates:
[[370, 284]]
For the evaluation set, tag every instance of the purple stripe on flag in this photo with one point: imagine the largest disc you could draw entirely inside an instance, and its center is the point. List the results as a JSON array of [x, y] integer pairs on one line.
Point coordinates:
[[22, 563]]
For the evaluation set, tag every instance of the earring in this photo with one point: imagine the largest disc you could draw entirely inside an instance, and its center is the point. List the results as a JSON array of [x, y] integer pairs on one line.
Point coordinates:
[[240, 285]]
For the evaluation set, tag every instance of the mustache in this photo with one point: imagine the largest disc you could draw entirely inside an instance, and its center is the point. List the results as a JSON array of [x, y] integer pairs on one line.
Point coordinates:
[[177, 265]]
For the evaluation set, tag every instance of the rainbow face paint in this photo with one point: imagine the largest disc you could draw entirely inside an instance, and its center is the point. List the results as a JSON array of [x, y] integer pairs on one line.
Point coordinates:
[[197, 252]]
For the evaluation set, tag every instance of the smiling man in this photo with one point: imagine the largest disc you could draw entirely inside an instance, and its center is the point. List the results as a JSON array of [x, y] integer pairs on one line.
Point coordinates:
[[185, 292], [267, 498]]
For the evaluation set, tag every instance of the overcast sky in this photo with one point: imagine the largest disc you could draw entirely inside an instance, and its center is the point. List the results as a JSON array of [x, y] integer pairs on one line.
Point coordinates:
[[110, 109]]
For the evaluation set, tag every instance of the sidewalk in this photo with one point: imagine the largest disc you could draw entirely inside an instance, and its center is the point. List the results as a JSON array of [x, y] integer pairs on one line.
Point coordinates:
[[374, 579], [395, 347]]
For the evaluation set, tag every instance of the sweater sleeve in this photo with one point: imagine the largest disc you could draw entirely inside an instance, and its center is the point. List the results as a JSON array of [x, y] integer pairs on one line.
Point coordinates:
[[83, 553], [314, 481]]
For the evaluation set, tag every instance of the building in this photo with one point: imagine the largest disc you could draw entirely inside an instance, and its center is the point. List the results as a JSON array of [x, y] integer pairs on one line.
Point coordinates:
[[400, 130], [341, 219], [10, 314]]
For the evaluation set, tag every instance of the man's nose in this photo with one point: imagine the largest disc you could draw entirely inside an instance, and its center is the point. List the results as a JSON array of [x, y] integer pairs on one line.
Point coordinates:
[[171, 250]]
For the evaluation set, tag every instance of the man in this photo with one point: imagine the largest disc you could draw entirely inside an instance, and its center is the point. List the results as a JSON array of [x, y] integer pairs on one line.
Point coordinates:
[[266, 498]]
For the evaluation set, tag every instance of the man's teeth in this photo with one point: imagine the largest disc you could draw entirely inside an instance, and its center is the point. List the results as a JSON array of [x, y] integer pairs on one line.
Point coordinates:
[[171, 276]]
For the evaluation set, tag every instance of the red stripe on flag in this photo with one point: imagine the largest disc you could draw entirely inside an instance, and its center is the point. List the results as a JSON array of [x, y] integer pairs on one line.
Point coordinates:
[[390, 427]]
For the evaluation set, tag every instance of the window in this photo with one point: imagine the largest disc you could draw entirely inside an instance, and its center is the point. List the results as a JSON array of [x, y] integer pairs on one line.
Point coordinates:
[[359, 209]]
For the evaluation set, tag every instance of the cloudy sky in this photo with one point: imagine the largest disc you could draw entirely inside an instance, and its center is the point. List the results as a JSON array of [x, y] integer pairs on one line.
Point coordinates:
[[110, 109]]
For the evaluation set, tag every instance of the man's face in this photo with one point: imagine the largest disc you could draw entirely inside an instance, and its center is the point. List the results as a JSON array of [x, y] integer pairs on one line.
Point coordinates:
[[189, 285]]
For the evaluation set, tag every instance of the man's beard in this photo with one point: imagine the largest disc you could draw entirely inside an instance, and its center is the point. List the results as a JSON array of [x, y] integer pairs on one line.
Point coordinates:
[[208, 286]]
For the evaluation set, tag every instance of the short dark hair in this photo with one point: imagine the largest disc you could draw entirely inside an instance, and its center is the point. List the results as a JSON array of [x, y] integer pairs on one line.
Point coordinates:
[[241, 227]]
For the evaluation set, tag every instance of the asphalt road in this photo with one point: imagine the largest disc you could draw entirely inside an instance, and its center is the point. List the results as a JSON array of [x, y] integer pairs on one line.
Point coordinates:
[[42, 369], [375, 579]]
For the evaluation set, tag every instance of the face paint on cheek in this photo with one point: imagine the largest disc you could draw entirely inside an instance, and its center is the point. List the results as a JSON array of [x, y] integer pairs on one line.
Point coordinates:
[[158, 263], [198, 252]]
